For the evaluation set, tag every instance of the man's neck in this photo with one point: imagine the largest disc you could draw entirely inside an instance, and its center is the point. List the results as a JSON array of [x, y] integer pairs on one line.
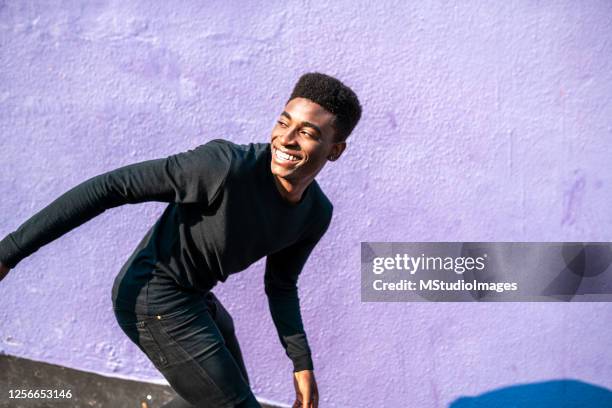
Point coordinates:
[[290, 192]]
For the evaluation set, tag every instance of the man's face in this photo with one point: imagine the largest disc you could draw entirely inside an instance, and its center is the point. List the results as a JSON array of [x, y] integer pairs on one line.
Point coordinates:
[[303, 139]]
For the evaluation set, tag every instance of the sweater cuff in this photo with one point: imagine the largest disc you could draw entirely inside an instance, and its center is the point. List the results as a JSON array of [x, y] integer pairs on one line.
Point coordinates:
[[9, 252], [303, 362]]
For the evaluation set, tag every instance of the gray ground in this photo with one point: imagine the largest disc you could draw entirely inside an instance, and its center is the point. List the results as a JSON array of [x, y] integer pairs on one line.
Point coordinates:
[[87, 389]]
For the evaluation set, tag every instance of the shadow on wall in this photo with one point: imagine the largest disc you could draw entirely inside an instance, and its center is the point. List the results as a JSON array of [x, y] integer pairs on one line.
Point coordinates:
[[550, 394]]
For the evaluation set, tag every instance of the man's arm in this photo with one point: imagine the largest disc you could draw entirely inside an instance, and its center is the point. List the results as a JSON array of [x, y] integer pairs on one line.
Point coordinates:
[[281, 276], [282, 271], [188, 177]]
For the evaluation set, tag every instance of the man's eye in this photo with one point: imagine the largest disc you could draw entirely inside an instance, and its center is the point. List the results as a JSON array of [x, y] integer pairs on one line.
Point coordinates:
[[281, 123], [305, 133]]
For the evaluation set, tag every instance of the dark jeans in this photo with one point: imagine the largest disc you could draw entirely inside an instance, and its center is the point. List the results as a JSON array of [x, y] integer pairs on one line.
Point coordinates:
[[196, 350]]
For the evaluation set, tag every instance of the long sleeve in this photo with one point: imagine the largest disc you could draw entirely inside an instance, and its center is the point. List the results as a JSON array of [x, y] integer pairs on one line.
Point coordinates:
[[281, 276], [188, 177]]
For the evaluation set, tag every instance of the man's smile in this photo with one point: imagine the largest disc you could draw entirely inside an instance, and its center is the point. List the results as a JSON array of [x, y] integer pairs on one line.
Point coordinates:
[[284, 157]]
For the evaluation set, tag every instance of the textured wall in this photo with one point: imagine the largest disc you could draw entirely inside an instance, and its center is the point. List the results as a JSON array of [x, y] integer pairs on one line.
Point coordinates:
[[488, 121]]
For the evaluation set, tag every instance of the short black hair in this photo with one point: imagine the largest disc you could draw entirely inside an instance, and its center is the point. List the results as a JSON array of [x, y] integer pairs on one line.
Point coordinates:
[[332, 95]]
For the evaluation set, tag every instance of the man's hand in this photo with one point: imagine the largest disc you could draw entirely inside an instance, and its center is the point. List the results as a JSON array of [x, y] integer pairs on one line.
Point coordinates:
[[306, 392], [4, 270]]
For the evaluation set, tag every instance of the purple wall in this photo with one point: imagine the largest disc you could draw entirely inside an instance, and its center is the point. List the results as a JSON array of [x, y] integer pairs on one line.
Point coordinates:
[[484, 122]]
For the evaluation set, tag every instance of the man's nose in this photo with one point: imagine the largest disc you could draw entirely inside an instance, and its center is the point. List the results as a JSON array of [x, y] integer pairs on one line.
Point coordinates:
[[289, 135]]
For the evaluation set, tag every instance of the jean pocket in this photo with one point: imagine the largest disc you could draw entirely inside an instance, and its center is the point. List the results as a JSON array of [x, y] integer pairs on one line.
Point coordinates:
[[142, 332], [181, 319], [179, 312], [151, 343]]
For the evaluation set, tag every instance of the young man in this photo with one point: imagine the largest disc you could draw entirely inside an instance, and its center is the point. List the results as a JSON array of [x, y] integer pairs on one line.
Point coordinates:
[[229, 205]]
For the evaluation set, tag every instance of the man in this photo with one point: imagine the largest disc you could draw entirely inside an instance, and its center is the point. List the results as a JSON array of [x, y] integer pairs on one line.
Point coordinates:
[[229, 205]]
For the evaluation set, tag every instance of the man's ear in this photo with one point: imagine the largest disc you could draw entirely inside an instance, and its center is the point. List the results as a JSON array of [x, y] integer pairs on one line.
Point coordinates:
[[337, 150]]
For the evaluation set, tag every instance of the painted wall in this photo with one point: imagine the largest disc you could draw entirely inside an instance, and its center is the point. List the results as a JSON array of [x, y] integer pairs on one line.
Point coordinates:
[[488, 121]]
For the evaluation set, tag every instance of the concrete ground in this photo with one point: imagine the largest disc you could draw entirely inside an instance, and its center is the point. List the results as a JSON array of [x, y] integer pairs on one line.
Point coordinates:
[[86, 389]]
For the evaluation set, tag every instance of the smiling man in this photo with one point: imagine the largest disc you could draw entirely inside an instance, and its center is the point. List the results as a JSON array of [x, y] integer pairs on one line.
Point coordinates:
[[229, 205]]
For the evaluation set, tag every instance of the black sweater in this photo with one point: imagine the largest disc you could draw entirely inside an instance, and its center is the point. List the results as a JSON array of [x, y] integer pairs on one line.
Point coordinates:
[[225, 213]]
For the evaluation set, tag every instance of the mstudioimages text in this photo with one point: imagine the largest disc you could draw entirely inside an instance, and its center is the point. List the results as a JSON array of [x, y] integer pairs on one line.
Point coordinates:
[[413, 264], [440, 285]]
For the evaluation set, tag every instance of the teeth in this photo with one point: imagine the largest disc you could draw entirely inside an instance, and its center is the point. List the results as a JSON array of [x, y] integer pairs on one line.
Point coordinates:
[[285, 156]]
